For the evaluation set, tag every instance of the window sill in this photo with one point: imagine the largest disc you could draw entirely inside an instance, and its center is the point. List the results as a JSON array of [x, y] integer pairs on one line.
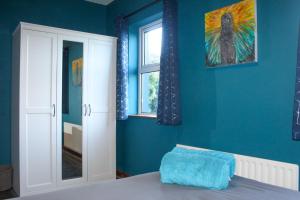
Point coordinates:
[[145, 116]]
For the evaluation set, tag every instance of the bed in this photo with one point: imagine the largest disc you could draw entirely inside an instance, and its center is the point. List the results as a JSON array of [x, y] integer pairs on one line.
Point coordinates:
[[149, 187]]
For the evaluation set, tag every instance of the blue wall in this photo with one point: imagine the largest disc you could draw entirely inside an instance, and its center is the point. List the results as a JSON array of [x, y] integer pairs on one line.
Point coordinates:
[[75, 14], [75, 91], [242, 109]]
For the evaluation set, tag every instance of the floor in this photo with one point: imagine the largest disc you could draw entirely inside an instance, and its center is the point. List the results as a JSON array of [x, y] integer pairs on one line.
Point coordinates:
[[72, 168], [8, 194], [71, 165]]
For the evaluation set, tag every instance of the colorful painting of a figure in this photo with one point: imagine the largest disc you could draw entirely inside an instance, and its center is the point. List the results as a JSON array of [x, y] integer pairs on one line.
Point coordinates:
[[77, 66], [231, 35]]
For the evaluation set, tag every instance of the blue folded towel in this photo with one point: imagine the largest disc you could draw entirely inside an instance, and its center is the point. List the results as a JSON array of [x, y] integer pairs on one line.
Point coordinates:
[[229, 158], [195, 170]]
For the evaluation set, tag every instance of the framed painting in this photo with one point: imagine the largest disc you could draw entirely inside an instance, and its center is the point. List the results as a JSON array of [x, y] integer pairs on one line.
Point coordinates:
[[77, 66], [231, 35]]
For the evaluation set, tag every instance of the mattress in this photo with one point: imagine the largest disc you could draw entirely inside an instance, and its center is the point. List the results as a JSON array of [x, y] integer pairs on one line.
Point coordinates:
[[148, 187]]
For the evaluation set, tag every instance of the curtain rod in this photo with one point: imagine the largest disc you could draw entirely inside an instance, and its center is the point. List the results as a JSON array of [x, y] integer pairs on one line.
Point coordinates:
[[142, 8]]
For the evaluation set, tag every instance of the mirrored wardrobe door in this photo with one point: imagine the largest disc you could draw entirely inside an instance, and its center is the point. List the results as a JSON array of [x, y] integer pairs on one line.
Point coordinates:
[[72, 110], [72, 141]]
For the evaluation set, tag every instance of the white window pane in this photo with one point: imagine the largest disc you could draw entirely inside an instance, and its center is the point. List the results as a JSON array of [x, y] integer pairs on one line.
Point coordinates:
[[152, 46], [149, 91]]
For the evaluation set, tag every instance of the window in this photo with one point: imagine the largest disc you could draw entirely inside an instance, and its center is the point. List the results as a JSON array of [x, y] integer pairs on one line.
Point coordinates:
[[149, 65]]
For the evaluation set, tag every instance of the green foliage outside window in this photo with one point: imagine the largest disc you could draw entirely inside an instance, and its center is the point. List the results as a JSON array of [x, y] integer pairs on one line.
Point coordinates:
[[153, 91]]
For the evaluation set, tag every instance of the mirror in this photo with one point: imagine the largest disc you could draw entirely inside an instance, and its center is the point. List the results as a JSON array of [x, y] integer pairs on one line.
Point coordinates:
[[72, 71]]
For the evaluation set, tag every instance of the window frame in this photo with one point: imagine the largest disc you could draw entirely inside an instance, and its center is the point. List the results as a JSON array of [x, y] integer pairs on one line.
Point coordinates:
[[145, 68]]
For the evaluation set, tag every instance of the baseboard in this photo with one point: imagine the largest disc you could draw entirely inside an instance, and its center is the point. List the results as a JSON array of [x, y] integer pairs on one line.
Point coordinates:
[[121, 174]]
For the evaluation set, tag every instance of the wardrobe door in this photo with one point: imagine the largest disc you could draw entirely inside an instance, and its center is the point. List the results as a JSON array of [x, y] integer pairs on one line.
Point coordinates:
[[101, 110], [72, 109], [38, 111]]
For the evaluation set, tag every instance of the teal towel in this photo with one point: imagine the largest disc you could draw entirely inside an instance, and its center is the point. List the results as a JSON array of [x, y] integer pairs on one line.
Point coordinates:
[[195, 170], [229, 158]]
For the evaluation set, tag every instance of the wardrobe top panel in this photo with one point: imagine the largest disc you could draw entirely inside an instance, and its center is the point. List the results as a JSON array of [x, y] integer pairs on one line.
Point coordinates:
[[61, 31]]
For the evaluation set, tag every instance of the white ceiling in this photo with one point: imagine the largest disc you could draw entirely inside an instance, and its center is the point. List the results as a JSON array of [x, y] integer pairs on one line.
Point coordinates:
[[102, 2]]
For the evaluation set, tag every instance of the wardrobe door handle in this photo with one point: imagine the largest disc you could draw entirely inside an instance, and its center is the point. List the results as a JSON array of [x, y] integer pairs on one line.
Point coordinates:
[[90, 109], [54, 110], [85, 109]]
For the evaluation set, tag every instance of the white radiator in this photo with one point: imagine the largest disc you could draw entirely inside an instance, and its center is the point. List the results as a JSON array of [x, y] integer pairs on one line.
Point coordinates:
[[266, 171]]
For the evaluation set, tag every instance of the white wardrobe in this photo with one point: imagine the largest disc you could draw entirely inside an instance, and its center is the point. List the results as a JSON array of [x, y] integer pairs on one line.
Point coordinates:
[[37, 108]]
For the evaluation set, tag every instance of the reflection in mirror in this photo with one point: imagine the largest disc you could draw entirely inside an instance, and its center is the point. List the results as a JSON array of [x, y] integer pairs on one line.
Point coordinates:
[[72, 110]]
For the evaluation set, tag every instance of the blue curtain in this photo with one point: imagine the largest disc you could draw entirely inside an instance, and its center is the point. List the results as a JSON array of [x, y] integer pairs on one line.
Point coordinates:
[[296, 115], [168, 111], [122, 68]]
